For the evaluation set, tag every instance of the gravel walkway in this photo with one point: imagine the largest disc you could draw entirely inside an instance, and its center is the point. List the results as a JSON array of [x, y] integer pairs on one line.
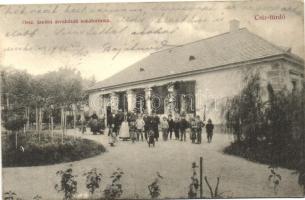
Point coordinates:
[[172, 159]]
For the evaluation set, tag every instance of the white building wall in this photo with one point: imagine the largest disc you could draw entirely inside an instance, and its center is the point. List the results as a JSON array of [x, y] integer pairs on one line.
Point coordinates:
[[215, 87], [95, 104]]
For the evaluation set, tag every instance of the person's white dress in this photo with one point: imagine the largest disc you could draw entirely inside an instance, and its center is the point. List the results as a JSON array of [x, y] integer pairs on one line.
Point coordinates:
[[124, 130]]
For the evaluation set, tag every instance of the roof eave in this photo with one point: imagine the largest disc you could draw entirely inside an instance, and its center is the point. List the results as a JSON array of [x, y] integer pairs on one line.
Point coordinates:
[[286, 56]]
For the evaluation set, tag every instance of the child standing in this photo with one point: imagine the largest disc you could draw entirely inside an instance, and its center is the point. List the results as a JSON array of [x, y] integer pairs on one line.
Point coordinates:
[[170, 126], [112, 136], [151, 138], [200, 125], [209, 128], [154, 123], [140, 127], [194, 129], [146, 119], [176, 127], [164, 128], [132, 131]]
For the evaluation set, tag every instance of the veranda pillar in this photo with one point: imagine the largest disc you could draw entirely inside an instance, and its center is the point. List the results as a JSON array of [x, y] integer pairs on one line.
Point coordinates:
[[148, 100], [130, 100], [114, 100]]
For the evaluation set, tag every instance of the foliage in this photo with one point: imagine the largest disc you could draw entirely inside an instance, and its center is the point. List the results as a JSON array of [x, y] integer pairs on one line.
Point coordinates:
[[60, 88], [269, 131], [301, 169], [244, 112], [301, 179], [17, 85], [194, 186], [263, 153], [10, 195], [93, 180], [37, 197], [279, 115], [14, 122], [275, 178], [68, 184], [154, 187], [114, 190], [46, 151]]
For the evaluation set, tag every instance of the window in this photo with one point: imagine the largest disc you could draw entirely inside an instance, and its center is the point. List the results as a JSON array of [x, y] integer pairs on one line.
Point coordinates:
[[275, 66], [192, 58], [294, 84]]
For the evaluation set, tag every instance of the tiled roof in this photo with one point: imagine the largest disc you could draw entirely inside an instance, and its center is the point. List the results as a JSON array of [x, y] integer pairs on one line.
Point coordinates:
[[223, 49]]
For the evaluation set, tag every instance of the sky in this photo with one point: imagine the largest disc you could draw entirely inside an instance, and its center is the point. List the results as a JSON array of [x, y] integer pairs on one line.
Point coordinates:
[[120, 34]]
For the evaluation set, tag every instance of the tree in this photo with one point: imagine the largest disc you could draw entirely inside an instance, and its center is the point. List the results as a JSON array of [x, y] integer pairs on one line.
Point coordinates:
[[43, 98], [16, 93], [245, 112]]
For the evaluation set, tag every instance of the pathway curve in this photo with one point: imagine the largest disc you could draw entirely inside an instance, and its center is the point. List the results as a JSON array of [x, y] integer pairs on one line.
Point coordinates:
[[172, 159]]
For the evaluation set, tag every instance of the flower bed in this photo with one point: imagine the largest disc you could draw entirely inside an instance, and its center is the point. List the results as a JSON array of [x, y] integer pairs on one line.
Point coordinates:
[[32, 151]]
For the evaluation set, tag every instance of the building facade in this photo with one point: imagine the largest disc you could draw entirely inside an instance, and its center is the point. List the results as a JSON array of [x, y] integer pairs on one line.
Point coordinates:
[[198, 77]]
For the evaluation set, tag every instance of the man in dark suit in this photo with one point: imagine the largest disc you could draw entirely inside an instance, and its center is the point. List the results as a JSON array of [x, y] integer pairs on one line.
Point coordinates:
[[147, 125], [154, 124]]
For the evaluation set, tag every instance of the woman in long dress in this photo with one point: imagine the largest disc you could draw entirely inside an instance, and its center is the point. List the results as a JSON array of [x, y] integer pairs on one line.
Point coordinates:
[[124, 130]]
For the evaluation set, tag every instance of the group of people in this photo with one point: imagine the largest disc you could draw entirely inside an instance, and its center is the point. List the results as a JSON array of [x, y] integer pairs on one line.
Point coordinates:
[[142, 127]]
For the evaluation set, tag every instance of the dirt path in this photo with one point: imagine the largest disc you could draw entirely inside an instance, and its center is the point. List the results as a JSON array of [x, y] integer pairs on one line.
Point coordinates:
[[172, 159]]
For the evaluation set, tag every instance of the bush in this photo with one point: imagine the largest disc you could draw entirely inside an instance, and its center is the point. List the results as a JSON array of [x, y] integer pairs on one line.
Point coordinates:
[[93, 180], [14, 122], [114, 190], [68, 184], [32, 152], [263, 153], [269, 131]]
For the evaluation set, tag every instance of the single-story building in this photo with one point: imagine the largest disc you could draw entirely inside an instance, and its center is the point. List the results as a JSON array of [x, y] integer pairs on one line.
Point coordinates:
[[196, 77]]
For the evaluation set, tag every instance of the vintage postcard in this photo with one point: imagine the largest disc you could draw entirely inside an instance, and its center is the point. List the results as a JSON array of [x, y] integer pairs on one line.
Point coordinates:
[[153, 100]]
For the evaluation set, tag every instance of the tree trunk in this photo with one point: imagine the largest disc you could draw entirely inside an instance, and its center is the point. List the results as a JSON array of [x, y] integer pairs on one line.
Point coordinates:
[[62, 124], [7, 101], [74, 116], [302, 160], [49, 123], [52, 133], [65, 122], [16, 139], [36, 119], [28, 119], [27, 116], [40, 120], [39, 124]]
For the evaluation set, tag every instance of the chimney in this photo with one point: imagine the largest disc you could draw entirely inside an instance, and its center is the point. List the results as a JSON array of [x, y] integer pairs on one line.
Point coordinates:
[[234, 25]]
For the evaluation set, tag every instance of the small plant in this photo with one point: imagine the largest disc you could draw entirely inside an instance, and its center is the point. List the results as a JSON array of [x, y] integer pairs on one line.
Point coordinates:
[[93, 180], [37, 197], [214, 194], [301, 180], [68, 184], [194, 186], [301, 172], [275, 178], [154, 187], [10, 195], [114, 190]]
